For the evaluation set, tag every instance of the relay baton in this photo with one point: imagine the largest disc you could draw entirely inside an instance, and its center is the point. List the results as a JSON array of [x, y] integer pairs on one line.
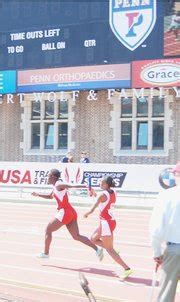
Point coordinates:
[[90, 186]]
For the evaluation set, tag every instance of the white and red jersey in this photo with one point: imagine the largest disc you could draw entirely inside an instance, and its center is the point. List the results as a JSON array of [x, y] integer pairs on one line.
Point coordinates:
[[106, 207], [66, 213], [62, 198]]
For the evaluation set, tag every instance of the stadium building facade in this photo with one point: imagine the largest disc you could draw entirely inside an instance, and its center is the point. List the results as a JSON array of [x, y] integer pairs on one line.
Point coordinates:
[[115, 127]]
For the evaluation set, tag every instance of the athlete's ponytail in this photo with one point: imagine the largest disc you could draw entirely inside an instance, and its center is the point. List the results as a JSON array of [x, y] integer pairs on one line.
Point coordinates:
[[110, 181]]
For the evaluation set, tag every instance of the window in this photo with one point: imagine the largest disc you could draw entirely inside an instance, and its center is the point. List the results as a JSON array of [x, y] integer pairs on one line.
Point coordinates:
[[142, 107], [49, 110], [158, 106], [35, 110], [158, 135], [142, 124], [49, 136], [63, 135], [142, 135], [126, 135], [35, 136], [49, 125], [126, 107], [63, 109]]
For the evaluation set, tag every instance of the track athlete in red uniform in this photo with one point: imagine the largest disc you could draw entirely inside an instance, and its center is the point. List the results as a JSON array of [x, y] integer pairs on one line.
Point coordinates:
[[66, 214], [103, 235]]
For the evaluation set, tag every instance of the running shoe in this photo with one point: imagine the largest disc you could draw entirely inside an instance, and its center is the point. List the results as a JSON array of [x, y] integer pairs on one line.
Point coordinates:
[[100, 253], [43, 255], [126, 273]]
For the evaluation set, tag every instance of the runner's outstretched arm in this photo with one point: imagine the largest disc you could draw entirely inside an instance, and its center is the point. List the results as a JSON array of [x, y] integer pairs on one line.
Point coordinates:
[[62, 186], [46, 196], [102, 198]]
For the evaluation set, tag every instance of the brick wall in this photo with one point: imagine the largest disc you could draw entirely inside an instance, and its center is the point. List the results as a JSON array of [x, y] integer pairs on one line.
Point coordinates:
[[92, 132], [10, 133]]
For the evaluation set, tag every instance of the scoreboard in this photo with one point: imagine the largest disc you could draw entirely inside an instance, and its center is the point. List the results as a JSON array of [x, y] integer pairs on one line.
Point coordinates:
[[47, 34]]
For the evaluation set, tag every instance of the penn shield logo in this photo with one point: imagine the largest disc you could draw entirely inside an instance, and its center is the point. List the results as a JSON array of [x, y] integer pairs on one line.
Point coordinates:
[[132, 21]]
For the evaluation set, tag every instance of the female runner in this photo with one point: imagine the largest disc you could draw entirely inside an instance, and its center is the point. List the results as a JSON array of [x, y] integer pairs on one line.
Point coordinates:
[[66, 214], [103, 235]]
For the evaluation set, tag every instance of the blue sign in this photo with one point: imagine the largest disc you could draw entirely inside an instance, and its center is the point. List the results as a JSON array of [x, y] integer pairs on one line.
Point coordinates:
[[50, 34], [7, 81], [75, 86]]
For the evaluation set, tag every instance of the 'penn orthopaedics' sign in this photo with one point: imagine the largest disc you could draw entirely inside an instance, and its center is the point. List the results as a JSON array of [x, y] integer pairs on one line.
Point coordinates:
[[156, 73], [72, 78]]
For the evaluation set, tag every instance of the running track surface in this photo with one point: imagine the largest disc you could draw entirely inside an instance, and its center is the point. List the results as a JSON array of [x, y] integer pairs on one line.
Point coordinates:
[[25, 278]]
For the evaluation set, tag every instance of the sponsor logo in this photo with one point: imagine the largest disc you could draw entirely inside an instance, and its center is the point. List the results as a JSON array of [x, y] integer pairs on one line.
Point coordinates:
[[40, 177], [161, 74], [166, 178], [96, 177], [78, 176], [132, 21], [15, 177], [72, 175]]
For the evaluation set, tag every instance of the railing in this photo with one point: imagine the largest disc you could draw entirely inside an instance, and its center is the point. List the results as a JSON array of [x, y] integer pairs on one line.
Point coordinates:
[[76, 192]]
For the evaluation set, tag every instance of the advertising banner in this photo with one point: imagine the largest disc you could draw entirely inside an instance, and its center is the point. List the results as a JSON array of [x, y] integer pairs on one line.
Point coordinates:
[[127, 177], [156, 73], [7, 81], [75, 78]]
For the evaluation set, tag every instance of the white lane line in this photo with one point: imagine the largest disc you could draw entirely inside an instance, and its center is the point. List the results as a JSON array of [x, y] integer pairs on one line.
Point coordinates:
[[44, 208], [33, 218], [124, 216], [87, 225], [93, 219], [38, 231], [136, 232], [79, 209], [82, 226], [81, 250], [90, 225], [26, 269], [57, 290], [43, 215], [95, 222], [35, 232], [62, 260]]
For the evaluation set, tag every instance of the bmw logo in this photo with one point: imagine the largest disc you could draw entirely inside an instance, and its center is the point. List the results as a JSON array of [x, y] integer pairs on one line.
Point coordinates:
[[166, 178]]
